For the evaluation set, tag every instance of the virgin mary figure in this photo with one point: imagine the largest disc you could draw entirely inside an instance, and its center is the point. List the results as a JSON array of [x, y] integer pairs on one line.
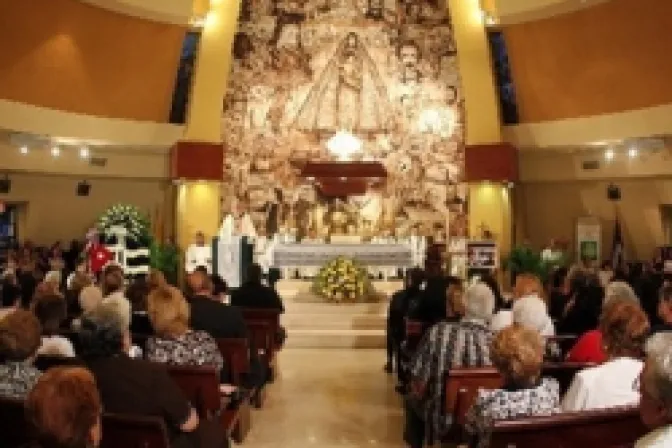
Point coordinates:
[[349, 93]]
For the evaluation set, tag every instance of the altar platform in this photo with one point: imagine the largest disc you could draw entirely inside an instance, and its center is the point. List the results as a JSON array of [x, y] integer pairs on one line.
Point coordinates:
[[313, 323]]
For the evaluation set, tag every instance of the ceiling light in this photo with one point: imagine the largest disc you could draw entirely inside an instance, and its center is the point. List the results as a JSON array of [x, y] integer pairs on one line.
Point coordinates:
[[23, 150], [609, 155], [55, 151], [84, 152], [633, 152], [343, 145]]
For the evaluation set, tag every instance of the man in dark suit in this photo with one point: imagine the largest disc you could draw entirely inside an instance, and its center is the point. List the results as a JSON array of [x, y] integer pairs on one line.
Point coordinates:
[[221, 321], [254, 294], [209, 314]]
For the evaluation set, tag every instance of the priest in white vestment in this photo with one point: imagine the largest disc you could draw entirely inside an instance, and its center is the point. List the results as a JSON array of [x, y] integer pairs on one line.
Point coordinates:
[[241, 225], [198, 254], [418, 245]]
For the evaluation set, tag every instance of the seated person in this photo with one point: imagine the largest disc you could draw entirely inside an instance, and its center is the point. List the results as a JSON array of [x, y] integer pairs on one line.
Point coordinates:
[[175, 343], [64, 409], [446, 345], [51, 311], [254, 294], [664, 311], [527, 286], [624, 328], [19, 341], [136, 387], [137, 293], [518, 353], [655, 407], [76, 282], [532, 313], [89, 298]]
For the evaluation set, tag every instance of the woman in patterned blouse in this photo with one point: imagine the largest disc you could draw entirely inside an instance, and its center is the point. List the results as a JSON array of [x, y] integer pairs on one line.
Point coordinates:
[[175, 343], [19, 341], [518, 353]]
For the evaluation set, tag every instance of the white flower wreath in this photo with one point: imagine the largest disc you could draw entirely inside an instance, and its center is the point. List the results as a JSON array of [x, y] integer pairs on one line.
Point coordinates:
[[128, 217]]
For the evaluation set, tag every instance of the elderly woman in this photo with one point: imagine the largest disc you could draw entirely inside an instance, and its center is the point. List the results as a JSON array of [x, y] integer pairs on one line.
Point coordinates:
[[518, 353], [174, 342], [89, 298], [624, 328], [532, 313], [446, 345], [63, 409], [589, 347], [655, 406], [131, 386], [527, 286], [51, 312], [19, 341]]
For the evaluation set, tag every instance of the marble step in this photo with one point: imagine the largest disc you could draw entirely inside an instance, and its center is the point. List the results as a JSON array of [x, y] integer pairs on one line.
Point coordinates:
[[334, 321], [335, 338]]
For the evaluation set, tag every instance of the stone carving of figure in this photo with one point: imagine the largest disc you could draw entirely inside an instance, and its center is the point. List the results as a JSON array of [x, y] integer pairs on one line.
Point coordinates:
[[338, 218], [348, 94]]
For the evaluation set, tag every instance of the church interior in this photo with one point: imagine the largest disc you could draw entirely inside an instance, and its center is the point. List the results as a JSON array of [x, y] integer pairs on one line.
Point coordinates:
[[411, 209]]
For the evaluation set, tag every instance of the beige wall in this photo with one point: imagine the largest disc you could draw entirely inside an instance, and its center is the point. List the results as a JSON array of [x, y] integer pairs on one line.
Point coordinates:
[[53, 212], [555, 192]]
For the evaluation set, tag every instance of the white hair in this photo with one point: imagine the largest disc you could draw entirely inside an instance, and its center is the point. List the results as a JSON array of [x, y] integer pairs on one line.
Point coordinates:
[[120, 306], [531, 312], [658, 378], [619, 290], [479, 302]]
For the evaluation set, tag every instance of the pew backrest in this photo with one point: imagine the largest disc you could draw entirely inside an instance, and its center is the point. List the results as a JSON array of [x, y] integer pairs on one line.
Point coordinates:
[[13, 425], [462, 385], [131, 431], [263, 326], [236, 354], [200, 385], [605, 429]]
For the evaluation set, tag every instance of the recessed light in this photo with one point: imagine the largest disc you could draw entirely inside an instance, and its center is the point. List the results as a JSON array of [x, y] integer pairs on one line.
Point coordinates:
[[55, 151], [23, 150], [84, 152], [633, 152]]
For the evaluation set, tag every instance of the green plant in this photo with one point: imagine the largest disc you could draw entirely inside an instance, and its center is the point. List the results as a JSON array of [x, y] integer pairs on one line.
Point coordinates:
[[165, 258], [523, 260]]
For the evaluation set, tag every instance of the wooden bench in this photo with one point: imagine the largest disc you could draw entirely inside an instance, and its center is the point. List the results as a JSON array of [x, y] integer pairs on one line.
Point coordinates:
[[564, 341], [132, 431], [263, 326], [236, 354], [46, 362], [604, 429], [200, 385], [13, 426]]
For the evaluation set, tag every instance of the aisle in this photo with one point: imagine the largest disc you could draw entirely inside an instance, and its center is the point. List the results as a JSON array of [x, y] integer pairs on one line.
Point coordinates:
[[329, 398]]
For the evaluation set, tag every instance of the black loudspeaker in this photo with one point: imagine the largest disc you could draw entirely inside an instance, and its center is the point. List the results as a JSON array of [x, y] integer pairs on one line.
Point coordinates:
[[83, 188], [614, 192], [5, 185]]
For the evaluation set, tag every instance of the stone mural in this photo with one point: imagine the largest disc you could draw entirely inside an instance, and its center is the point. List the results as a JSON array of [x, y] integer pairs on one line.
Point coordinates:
[[383, 70]]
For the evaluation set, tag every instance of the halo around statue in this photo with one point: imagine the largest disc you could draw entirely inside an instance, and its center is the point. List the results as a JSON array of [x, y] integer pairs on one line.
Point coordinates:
[[343, 280]]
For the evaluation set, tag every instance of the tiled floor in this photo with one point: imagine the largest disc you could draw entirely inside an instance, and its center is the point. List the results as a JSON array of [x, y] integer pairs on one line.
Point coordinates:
[[329, 398]]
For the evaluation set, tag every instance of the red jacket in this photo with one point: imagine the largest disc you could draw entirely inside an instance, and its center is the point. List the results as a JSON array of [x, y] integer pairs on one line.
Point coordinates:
[[588, 348]]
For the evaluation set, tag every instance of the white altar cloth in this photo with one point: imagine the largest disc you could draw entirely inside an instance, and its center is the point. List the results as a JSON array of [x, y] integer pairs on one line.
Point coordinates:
[[318, 254]]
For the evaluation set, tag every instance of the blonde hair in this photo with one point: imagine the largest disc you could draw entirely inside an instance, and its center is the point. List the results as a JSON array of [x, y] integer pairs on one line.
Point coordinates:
[[526, 285], [518, 353], [90, 297], [168, 311], [156, 279]]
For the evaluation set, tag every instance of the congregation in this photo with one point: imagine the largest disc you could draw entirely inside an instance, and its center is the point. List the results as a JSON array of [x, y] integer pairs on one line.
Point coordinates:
[[77, 353], [611, 335]]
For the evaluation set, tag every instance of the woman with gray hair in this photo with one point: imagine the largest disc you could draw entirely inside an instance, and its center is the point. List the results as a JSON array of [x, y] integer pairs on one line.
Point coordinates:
[[445, 346], [619, 290], [655, 405], [131, 386]]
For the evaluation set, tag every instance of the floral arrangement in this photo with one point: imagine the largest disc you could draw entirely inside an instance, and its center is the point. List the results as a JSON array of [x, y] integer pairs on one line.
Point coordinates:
[[128, 217], [343, 280]]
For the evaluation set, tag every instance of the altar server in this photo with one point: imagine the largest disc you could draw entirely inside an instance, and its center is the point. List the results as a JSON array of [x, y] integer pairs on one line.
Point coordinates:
[[198, 254], [418, 248]]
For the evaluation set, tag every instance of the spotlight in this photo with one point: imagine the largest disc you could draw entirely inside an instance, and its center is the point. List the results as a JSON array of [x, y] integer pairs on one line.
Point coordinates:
[[609, 155], [23, 150], [84, 152], [83, 188], [55, 151], [633, 152]]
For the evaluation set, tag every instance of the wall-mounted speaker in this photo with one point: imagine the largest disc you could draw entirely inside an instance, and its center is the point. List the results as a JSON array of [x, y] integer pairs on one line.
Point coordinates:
[[613, 192], [5, 185], [83, 188]]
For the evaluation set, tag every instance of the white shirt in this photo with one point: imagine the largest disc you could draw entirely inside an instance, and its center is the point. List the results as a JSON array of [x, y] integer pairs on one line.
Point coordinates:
[[613, 383], [659, 438], [56, 346], [198, 256]]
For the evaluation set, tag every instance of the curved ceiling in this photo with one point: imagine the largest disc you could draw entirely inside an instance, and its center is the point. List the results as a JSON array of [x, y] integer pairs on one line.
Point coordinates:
[[519, 11]]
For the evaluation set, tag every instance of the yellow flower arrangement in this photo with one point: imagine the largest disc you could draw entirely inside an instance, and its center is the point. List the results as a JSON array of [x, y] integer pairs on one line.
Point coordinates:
[[343, 280]]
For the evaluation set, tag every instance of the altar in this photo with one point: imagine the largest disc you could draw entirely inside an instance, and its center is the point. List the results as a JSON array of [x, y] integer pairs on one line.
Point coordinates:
[[292, 255]]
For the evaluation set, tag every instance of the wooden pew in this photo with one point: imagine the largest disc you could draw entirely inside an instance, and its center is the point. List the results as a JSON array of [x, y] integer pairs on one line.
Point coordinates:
[[236, 354], [46, 362], [263, 326], [132, 431], [563, 372], [200, 385], [604, 429], [564, 341], [13, 425]]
